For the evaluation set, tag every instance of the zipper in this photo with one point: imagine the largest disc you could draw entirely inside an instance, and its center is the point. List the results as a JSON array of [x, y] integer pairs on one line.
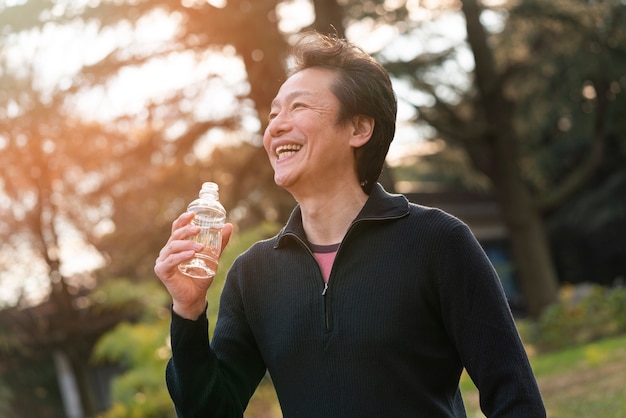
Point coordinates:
[[327, 321], [326, 307], [324, 290]]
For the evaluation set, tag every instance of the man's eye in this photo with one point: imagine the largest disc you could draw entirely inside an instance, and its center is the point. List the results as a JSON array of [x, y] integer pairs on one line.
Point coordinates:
[[272, 116], [298, 105]]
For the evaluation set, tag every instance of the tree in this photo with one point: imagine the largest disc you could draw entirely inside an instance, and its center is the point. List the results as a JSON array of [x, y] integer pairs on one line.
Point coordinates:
[[579, 150], [495, 152], [65, 176], [53, 205], [509, 104], [524, 205]]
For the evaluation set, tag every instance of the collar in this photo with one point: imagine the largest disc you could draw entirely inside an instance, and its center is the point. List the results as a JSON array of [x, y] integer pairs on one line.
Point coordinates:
[[380, 205]]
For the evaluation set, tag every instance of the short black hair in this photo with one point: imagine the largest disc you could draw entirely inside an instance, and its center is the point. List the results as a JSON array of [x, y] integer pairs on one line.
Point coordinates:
[[363, 87]]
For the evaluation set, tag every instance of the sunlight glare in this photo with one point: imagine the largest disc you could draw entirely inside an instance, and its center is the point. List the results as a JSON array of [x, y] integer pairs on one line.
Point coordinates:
[[294, 15], [27, 281], [369, 36]]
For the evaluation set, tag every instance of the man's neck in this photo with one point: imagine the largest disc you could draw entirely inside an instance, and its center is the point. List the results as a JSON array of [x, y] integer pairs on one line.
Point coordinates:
[[326, 217]]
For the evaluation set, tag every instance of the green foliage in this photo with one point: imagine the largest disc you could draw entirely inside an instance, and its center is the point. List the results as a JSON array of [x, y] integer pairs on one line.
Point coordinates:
[[582, 314], [120, 294], [148, 342], [141, 392], [142, 349], [5, 399]]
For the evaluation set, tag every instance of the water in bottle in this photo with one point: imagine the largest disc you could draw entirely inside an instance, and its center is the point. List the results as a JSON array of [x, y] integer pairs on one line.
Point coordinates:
[[210, 217]]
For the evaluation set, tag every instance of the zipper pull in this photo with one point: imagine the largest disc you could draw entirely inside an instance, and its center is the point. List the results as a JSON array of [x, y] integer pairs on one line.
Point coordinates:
[[325, 289]]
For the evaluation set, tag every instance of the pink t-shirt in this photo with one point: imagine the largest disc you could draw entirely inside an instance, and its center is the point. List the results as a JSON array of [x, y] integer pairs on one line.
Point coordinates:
[[325, 256]]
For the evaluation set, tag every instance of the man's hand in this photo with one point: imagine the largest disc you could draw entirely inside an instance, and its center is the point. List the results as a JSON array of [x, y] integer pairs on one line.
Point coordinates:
[[188, 294]]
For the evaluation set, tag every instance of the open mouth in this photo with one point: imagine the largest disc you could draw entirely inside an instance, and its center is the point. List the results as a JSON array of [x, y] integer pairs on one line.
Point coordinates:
[[285, 151]]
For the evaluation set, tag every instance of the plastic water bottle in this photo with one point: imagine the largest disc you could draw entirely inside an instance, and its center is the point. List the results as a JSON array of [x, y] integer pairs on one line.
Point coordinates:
[[210, 216]]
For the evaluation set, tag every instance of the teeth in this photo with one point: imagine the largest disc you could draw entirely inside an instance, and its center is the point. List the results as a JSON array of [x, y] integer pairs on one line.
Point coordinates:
[[287, 150]]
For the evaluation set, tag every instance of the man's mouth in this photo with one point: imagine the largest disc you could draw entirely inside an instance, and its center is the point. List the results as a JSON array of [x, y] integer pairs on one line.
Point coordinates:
[[285, 151]]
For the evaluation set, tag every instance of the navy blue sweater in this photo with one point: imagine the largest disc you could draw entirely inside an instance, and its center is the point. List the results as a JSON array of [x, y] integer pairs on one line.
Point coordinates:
[[412, 299]]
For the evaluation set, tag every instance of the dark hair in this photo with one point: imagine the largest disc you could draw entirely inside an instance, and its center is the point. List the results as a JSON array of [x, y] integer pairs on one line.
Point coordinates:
[[363, 88]]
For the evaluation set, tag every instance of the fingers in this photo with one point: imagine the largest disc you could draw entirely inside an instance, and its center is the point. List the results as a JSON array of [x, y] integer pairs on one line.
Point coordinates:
[[227, 231], [182, 228], [178, 248], [184, 219], [174, 253]]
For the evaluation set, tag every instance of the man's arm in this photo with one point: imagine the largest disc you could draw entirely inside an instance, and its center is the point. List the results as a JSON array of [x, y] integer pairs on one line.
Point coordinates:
[[216, 379], [479, 321]]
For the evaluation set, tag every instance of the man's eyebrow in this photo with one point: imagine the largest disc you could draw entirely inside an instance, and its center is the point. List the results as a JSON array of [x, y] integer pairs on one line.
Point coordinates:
[[292, 95]]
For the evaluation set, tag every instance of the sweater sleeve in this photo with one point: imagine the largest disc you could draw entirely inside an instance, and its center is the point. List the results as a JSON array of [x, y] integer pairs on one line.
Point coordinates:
[[479, 322], [205, 381]]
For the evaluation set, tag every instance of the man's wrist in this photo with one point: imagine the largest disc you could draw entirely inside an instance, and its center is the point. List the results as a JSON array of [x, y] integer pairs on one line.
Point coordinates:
[[191, 312]]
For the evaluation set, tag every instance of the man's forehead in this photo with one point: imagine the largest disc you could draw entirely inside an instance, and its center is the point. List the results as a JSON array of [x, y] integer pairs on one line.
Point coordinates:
[[309, 82], [291, 95]]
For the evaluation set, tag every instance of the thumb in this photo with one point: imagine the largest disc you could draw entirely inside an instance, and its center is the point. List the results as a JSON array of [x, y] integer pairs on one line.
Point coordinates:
[[227, 231]]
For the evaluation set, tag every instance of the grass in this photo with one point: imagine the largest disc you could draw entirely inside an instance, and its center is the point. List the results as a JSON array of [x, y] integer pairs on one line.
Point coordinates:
[[585, 381]]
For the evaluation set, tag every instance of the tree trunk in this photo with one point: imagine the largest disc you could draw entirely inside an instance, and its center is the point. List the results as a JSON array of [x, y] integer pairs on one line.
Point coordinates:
[[329, 17], [72, 374], [496, 155], [531, 252], [81, 373], [68, 386]]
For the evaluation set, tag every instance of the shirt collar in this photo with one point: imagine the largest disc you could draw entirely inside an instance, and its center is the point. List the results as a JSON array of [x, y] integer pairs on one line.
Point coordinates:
[[379, 205]]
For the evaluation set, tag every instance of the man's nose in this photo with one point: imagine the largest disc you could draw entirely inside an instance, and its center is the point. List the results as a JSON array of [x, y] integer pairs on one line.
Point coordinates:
[[279, 124]]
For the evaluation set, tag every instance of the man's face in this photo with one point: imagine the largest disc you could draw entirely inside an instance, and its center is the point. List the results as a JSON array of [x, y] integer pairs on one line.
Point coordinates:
[[307, 148]]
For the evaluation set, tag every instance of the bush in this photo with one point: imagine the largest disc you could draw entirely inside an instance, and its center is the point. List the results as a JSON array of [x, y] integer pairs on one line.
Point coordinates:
[[584, 313]]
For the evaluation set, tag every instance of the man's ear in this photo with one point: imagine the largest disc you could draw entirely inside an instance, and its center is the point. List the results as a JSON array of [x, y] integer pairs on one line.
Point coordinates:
[[363, 127]]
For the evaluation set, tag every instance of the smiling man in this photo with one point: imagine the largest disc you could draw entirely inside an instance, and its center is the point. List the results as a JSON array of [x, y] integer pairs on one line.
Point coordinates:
[[363, 305]]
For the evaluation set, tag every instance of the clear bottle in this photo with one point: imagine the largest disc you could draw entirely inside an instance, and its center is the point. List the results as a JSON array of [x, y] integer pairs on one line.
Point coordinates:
[[210, 216]]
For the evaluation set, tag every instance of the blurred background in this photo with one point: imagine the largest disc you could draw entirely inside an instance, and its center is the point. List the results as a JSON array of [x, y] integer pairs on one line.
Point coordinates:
[[512, 116]]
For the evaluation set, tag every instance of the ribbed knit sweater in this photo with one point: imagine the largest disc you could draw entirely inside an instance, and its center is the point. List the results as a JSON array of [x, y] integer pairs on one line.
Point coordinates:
[[412, 299]]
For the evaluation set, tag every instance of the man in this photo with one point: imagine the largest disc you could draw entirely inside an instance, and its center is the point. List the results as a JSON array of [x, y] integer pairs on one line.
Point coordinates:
[[363, 305]]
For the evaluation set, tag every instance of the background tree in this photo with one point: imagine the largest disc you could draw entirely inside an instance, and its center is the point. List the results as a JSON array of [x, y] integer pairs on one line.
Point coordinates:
[[511, 101], [574, 142], [494, 150], [64, 176]]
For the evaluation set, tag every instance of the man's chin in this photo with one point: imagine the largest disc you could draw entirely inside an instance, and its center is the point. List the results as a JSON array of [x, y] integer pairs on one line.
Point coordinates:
[[283, 181], [279, 180]]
